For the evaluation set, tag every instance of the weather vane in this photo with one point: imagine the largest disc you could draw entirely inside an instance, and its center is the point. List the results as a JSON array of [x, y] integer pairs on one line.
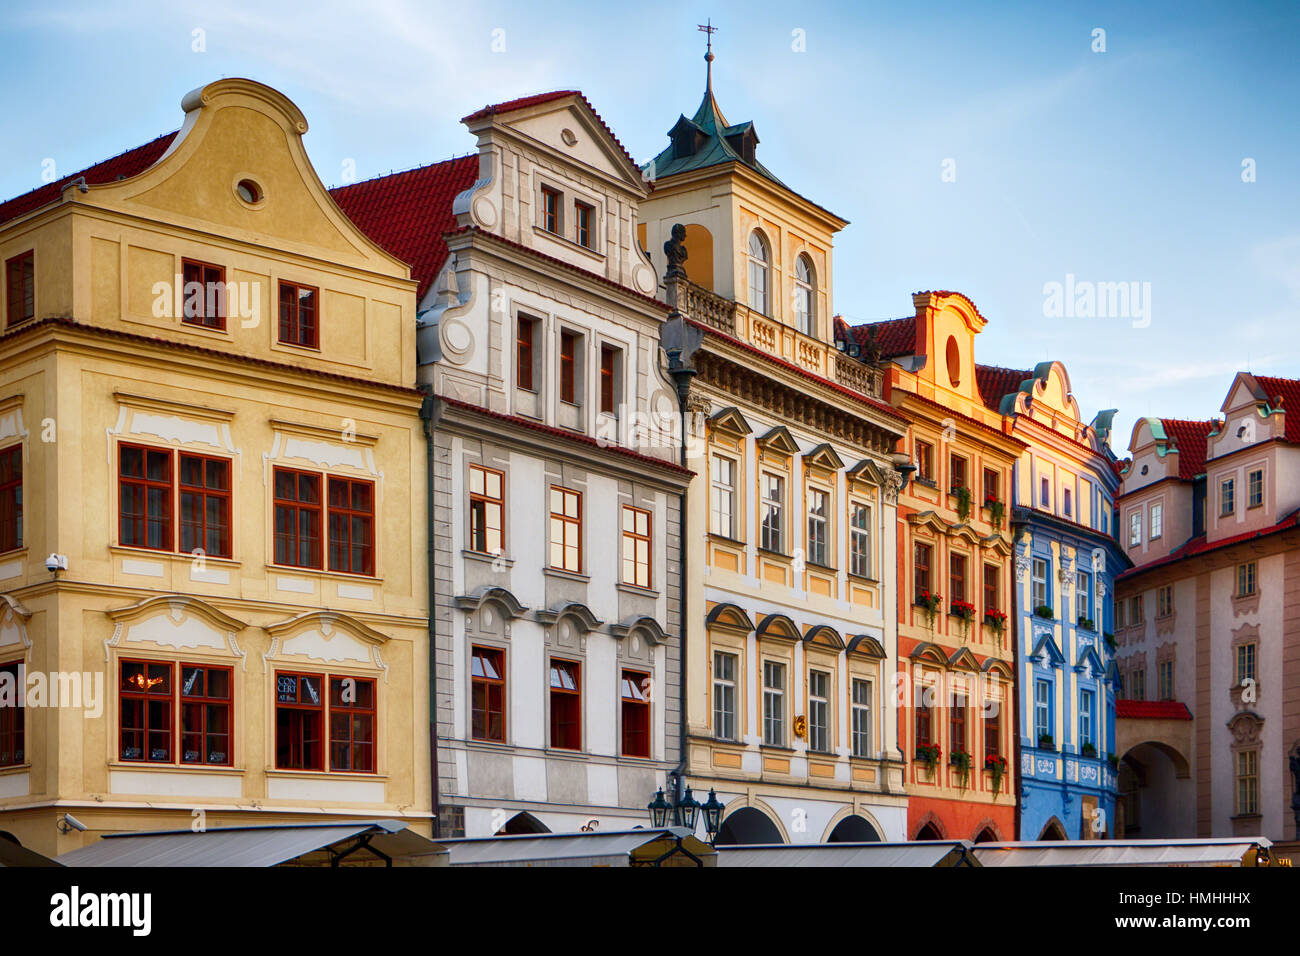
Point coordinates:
[[708, 28]]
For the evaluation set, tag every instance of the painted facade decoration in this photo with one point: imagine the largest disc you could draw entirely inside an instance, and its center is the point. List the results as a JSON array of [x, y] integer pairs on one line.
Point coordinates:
[[956, 692], [209, 403], [1209, 514], [1066, 561], [790, 635], [555, 520]]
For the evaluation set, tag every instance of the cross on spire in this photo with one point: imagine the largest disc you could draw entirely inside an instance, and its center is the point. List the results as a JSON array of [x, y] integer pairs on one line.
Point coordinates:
[[708, 28]]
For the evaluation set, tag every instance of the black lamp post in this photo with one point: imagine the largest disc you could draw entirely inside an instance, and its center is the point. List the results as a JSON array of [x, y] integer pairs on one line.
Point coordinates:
[[903, 465], [1295, 787], [687, 812]]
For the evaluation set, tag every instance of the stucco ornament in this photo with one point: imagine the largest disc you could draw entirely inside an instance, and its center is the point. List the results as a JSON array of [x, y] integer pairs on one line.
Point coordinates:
[[675, 253], [1022, 565], [891, 482]]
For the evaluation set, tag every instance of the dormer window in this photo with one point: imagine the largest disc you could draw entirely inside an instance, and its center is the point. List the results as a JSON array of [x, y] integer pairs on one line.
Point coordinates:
[[803, 295], [759, 258], [551, 200]]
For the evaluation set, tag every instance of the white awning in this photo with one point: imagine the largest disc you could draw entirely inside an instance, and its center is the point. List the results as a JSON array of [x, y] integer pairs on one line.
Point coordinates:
[[1206, 852], [919, 854], [264, 846], [667, 847]]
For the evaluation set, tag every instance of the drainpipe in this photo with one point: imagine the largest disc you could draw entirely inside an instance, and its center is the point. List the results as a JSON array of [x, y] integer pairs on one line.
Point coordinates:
[[1016, 689], [428, 417], [680, 342]]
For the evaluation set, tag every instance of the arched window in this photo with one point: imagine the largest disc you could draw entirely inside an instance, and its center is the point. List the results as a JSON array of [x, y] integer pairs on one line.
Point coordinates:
[[758, 273], [803, 296]]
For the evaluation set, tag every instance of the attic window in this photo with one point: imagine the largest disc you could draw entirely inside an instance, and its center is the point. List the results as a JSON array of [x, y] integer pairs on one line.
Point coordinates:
[[249, 192]]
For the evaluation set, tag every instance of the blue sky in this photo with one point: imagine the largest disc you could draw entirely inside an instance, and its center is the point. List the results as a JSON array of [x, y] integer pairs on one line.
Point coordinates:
[[1122, 166]]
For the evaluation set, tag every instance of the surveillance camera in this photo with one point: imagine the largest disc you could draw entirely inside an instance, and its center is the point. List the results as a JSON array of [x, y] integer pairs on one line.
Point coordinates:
[[56, 562], [69, 822]]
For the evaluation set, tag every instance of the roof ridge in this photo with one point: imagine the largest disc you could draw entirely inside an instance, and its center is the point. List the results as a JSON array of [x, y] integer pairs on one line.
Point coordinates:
[[473, 154]]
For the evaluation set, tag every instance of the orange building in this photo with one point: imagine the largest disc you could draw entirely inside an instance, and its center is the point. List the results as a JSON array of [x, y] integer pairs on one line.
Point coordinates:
[[955, 687]]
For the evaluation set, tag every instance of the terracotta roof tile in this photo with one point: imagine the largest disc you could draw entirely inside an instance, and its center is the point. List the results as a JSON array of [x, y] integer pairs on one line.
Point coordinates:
[[1284, 393], [408, 213], [1152, 710], [894, 336], [123, 166], [994, 382], [1200, 544], [1190, 440]]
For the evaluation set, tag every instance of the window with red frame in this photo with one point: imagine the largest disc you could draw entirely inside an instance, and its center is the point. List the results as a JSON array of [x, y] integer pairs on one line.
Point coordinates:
[[568, 366], [636, 547], [990, 484], [146, 702], [20, 284], [352, 526], [956, 578], [352, 724], [957, 724], [299, 722], [298, 323], [488, 694], [145, 498], [205, 715], [924, 719], [566, 705], [11, 498], [298, 517], [204, 294], [992, 728], [566, 529], [525, 334], [550, 210], [609, 361], [487, 510], [921, 554], [636, 714], [956, 472], [584, 216], [205, 505], [992, 601], [12, 719]]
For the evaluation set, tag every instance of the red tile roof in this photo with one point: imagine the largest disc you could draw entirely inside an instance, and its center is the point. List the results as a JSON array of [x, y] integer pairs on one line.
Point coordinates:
[[568, 435], [524, 102], [894, 336], [994, 382], [1152, 710], [1190, 440], [408, 213], [1200, 545], [1284, 393], [123, 166]]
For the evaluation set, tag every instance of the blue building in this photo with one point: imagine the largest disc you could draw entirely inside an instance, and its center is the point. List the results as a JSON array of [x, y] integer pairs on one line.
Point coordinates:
[[1066, 559]]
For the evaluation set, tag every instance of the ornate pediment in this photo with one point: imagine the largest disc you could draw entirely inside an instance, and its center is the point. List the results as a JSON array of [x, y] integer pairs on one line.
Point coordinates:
[[327, 637], [868, 471], [963, 659], [823, 456], [731, 421], [929, 653], [779, 439], [174, 622], [823, 635], [730, 617], [778, 626], [510, 606], [1046, 652], [643, 626], [867, 646]]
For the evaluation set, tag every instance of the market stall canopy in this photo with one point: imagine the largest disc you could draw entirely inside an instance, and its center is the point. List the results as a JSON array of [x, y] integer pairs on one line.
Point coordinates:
[[671, 846], [1239, 851], [919, 854], [14, 854], [342, 843]]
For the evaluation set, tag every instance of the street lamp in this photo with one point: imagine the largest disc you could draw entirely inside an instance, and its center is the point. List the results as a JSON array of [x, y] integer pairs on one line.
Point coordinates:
[[903, 465], [1295, 787], [687, 812]]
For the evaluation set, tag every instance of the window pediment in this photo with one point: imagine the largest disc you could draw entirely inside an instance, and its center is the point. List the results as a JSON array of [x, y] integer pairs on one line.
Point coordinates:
[[866, 646], [175, 622], [1046, 652], [730, 617], [731, 421], [326, 637], [780, 440], [929, 653], [778, 626], [823, 635], [510, 606], [823, 456]]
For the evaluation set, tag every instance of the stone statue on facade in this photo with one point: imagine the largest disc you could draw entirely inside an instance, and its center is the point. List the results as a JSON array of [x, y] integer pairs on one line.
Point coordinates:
[[675, 252]]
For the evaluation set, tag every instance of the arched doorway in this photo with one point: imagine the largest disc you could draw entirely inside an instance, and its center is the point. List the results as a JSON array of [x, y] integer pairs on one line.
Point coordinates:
[[986, 836], [853, 829], [523, 823], [1053, 830], [748, 825], [928, 832], [1156, 796]]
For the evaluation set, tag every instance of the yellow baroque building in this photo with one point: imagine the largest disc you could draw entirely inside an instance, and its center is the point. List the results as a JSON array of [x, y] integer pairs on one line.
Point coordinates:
[[213, 582]]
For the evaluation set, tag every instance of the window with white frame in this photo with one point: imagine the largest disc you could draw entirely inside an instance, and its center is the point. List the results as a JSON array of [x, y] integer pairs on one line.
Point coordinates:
[[1086, 725], [1156, 522], [773, 704], [1255, 488], [724, 695], [860, 540], [862, 718], [1083, 595], [773, 512], [1042, 709], [803, 295], [1246, 579], [722, 496], [759, 275], [1227, 497], [819, 711], [817, 507], [1135, 529], [1039, 579]]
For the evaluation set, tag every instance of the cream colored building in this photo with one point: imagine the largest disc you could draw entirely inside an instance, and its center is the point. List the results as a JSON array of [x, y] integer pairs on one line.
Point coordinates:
[[791, 623], [237, 489]]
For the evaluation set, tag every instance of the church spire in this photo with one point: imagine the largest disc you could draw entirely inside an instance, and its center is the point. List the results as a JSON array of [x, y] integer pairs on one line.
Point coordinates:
[[708, 28]]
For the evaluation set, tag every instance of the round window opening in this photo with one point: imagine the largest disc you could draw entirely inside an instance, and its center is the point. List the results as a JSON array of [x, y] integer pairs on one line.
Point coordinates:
[[954, 361], [249, 191]]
